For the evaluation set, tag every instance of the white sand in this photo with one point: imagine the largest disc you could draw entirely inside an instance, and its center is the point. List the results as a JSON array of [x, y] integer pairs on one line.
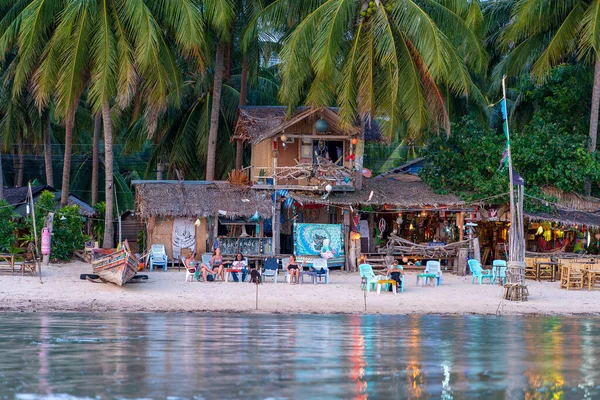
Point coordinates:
[[62, 290]]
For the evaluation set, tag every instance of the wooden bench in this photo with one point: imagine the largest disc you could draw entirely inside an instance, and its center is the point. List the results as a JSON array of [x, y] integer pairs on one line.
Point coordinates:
[[7, 261], [27, 265]]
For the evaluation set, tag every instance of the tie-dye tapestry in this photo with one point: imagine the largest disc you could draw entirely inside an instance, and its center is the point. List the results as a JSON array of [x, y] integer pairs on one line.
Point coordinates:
[[308, 239]]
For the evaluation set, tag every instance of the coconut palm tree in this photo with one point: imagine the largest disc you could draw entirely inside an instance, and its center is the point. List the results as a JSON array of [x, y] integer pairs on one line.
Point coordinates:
[[384, 58], [539, 36], [105, 47]]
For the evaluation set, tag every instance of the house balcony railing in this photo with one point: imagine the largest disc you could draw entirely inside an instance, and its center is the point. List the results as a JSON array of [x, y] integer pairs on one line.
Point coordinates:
[[312, 177]]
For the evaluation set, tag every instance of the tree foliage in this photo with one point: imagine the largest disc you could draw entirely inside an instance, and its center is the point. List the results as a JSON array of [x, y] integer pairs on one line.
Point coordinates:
[[549, 150], [8, 226]]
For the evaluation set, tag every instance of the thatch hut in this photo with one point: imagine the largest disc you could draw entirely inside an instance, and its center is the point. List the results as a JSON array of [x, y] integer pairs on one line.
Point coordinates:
[[195, 214]]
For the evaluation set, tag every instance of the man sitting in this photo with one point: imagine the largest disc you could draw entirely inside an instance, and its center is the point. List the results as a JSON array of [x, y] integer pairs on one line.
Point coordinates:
[[395, 272]]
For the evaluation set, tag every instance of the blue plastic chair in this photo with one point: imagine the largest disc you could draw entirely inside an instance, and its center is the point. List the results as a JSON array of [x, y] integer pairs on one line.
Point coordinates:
[[478, 272], [270, 269], [500, 269], [366, 271], [434, 267], [158, 257]]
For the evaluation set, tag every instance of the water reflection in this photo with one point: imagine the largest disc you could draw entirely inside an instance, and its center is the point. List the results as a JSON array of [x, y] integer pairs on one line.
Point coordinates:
[[359, 357]]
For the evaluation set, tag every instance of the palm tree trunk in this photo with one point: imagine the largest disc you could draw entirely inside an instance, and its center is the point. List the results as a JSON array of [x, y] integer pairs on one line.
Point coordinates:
[[69, 123], [594, 119], [20, 160], [108, 168], [95, 158], [214, 115], [160, 167], [48, 151], [239, 151]]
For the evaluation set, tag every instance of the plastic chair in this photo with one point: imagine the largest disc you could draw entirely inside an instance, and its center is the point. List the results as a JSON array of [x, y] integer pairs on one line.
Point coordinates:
[[284, 262], [366, 271], [320, 270], [189, 272], [434, 267], [158, 257], [499, 269], [231, 271], [390, 271], [270, 269], [206, 258], [479, 272]]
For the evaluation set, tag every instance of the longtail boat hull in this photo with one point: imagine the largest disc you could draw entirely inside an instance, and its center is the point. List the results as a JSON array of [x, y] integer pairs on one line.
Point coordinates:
[[118, 267]]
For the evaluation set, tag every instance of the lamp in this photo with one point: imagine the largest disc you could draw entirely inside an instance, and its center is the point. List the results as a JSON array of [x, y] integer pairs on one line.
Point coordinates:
[[63, 218], [328, 188], [354, 141], [321, 125], [540, 230], [283, 138], [197, 223], [355, 235]]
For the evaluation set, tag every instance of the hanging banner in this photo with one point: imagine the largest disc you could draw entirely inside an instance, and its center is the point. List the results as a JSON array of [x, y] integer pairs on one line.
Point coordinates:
[[309, 239], [184, 236]]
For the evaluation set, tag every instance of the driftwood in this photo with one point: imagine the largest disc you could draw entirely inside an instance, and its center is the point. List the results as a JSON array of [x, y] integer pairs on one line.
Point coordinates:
[[324, 169], [397, 244]]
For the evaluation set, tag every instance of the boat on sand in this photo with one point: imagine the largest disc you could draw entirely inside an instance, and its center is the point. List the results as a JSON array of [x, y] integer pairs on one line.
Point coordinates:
[[116, 266]]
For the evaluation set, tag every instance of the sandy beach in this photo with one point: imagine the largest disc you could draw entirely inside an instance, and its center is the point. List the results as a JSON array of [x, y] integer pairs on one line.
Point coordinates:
[[62, 290]]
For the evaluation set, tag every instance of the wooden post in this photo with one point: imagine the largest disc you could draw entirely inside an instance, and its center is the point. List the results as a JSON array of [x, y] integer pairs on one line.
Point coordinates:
[[215, 234], [275, 225], [460, 221], [347, 239], [35, 235], [372, 232]]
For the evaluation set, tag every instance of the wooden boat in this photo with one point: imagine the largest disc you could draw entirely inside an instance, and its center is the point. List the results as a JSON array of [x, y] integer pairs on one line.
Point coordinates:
[[115, 266]]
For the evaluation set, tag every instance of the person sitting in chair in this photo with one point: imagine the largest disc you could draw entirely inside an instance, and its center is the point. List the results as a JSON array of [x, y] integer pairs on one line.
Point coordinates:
[[396, 273], [239, 263], [216, 262], [192, 265], [293, 269]]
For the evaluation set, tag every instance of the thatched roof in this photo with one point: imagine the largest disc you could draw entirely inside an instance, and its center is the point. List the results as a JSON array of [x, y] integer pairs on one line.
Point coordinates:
[[18, 196], [404, 191], [572, 201], [409, 167], [199, 199], [257, 123], [569, 218]]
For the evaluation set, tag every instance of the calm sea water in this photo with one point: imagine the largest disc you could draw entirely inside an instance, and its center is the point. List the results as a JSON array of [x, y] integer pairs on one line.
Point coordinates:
[[189, 356]]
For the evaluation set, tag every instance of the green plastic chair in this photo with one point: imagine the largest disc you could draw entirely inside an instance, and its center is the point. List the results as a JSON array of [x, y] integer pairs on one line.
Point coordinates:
[[500, 266], [479, 272], [366, 271]]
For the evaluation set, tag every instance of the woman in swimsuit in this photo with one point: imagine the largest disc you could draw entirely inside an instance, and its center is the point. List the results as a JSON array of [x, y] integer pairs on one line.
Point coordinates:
[[216, 263], [293, 269], [190, 264]]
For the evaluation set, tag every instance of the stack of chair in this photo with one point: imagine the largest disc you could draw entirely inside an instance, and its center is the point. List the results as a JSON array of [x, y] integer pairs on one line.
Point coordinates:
[[571, 276], [530, 268]]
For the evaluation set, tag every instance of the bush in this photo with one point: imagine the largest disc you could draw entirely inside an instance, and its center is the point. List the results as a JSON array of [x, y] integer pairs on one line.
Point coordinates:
[[67, 233], [7, 226]]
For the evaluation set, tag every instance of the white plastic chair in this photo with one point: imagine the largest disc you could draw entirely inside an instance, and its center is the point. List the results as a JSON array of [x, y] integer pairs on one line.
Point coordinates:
[[284, 262], [189, 275], [158, 257], [434, 267], [228, 271]]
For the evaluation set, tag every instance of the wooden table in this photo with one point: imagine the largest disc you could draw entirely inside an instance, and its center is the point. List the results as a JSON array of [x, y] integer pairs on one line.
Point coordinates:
[[7, 261], [590, 276], [554, 266]]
